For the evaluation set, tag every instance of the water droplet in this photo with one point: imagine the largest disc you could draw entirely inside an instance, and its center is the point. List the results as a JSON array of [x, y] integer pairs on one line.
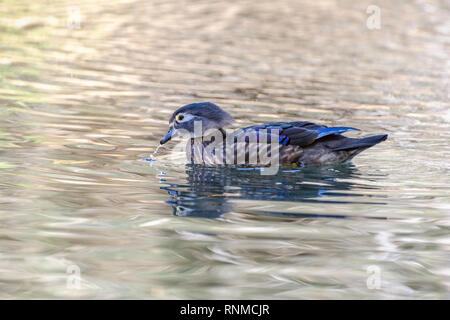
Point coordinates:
[[152, 156], [155, 152]]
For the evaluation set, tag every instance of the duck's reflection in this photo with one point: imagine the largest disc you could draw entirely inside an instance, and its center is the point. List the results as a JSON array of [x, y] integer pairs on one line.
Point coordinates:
[[209, 190]]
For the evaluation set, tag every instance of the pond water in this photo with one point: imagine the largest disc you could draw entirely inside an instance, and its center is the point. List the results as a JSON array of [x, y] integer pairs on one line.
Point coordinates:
[[86, 91]]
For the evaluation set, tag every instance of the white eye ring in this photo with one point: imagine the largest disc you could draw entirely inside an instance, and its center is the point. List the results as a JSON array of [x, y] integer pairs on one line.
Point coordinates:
[[183, 117]]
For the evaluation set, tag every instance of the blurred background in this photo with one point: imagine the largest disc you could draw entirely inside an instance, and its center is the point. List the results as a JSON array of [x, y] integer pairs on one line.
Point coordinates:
[[86, 91]]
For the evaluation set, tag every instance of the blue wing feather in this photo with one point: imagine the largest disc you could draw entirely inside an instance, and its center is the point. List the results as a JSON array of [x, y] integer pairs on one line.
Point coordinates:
[[301, 133], [334, 130]]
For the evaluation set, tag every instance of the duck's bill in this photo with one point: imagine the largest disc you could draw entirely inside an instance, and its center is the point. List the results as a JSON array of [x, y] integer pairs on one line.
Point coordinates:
[[167, 137]]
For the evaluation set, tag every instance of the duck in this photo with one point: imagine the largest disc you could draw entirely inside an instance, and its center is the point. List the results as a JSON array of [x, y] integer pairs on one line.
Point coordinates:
[[297, 143]]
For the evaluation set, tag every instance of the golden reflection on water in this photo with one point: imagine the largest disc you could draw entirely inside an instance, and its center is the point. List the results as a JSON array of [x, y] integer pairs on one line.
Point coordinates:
[[80, 109]]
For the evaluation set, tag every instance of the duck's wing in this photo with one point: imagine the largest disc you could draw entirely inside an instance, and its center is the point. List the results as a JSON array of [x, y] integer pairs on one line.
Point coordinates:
[[299, 133]]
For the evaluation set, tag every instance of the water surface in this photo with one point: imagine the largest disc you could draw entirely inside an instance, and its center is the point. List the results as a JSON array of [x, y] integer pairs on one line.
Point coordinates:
[[81, 106]]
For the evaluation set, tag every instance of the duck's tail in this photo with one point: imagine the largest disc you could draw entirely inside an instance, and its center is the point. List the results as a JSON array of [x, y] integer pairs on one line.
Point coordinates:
[[356, 146], [362, 143]]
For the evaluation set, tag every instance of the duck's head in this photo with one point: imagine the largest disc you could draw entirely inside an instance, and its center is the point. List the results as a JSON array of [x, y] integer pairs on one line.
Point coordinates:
[[195, 119]]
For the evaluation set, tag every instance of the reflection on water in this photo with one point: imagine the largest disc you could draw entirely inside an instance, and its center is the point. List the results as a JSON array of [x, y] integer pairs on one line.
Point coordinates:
[[80, 107], [210, 191]]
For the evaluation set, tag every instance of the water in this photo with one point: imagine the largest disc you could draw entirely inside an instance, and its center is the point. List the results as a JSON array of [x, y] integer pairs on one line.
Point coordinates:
[[81, 104]]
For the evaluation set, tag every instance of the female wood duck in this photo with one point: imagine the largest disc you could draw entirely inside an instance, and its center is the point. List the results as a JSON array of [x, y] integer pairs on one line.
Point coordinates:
[[300, 142]]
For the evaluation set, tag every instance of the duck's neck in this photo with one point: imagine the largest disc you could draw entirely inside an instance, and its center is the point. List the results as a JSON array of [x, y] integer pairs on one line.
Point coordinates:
[[206, 140]]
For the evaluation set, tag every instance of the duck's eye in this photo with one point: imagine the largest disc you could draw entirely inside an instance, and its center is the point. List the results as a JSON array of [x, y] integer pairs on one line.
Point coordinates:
[[180, 117]]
